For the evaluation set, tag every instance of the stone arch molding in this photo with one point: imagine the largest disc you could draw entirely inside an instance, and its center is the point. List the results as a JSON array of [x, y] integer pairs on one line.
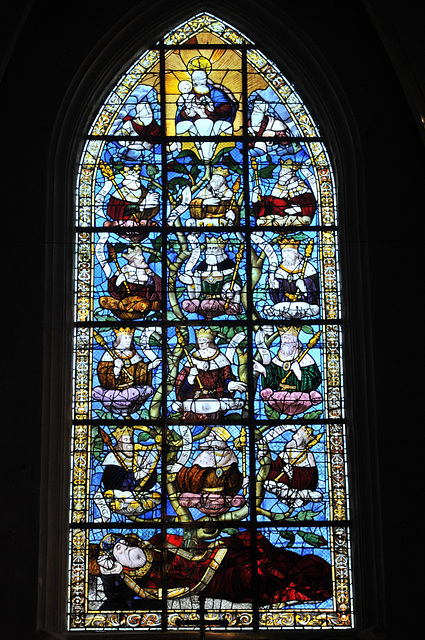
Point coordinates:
[[149, 125]]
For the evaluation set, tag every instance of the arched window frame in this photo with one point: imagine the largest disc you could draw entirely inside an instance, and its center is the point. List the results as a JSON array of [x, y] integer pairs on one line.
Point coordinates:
[[287, 47]]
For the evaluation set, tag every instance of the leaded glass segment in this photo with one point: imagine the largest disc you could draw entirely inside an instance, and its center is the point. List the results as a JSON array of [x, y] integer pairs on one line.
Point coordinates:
[[209, 483]]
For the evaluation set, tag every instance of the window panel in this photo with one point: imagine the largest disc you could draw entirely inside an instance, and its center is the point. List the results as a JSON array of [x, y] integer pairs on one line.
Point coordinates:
[[208, 454]]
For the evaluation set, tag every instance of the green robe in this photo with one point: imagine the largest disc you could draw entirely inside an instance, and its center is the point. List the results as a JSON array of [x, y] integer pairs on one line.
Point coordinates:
[[310, 379]]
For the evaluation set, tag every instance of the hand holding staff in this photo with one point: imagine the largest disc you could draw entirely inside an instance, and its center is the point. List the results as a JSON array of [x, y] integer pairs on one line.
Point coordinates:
[[109, 175], [301, 455], [307, 254], [113, 255], [235, 189], [254, 165], [182, 343], [113, 355], [238, 259], [312, 342]]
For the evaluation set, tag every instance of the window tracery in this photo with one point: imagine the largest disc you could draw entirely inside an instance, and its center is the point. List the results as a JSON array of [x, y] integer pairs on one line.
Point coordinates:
[[209, 464]]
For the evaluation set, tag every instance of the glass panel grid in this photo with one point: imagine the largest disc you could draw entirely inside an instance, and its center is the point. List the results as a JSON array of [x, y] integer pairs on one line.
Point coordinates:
[[209, 470]]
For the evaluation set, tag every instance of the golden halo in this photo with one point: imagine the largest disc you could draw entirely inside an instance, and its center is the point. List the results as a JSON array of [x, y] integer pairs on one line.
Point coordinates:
[[199, 62]]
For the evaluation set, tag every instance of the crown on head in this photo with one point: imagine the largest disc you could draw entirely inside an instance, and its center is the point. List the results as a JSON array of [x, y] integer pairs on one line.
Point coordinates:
[[289, 331], [125, 330], [290, 164], [205, 333], [221, 171], [120, 432], [131, 168], [308, 431], [217, 241], [133, 250], [290, 243], [221, 433]]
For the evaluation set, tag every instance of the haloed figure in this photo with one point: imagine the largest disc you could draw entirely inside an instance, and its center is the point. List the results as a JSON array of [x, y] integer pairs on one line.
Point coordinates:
[[207, 109]]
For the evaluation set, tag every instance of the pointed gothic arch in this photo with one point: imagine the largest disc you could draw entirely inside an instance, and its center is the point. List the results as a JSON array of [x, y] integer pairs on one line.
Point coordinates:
[[120, 319]]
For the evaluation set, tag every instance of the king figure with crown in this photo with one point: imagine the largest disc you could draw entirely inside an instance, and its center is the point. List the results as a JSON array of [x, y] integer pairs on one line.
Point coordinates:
[[125, 378], [129, 485], [292, 280], [291, 202], [290, 379], [213, 283], [206, 385]]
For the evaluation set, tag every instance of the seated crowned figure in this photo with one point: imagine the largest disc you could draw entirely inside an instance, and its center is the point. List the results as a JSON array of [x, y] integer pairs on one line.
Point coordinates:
[[211, 484], [126, 203], [129, 475], [291, 378], [206, 385], [291, 202], [134, 289], [213, 283], [125, 378]]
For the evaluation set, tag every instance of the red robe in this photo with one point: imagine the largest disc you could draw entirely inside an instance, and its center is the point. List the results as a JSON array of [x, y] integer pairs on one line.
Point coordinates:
[[214, 384], [142, 130], [282, 575], [303, 477], [270, 205]]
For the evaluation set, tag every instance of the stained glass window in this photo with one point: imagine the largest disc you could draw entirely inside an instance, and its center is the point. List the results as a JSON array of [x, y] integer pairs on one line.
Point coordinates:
[[208, 484]]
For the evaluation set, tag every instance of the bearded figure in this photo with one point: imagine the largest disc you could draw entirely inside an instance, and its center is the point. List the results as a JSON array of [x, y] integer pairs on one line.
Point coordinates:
[[134, 290], [213, 285], [125, 378], [131, 571], [206, 385], [291, 202], [290, 379], [293, 283], [213, 481]]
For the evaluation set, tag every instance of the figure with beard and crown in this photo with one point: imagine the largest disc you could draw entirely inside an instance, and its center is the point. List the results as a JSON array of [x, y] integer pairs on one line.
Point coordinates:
[[291, 202], [213, 284], [134, 290], [125, 378], [293, 282], [206, 385], [130, 205], [211, 484], [214, 205], [290, 379], [292, 476]]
